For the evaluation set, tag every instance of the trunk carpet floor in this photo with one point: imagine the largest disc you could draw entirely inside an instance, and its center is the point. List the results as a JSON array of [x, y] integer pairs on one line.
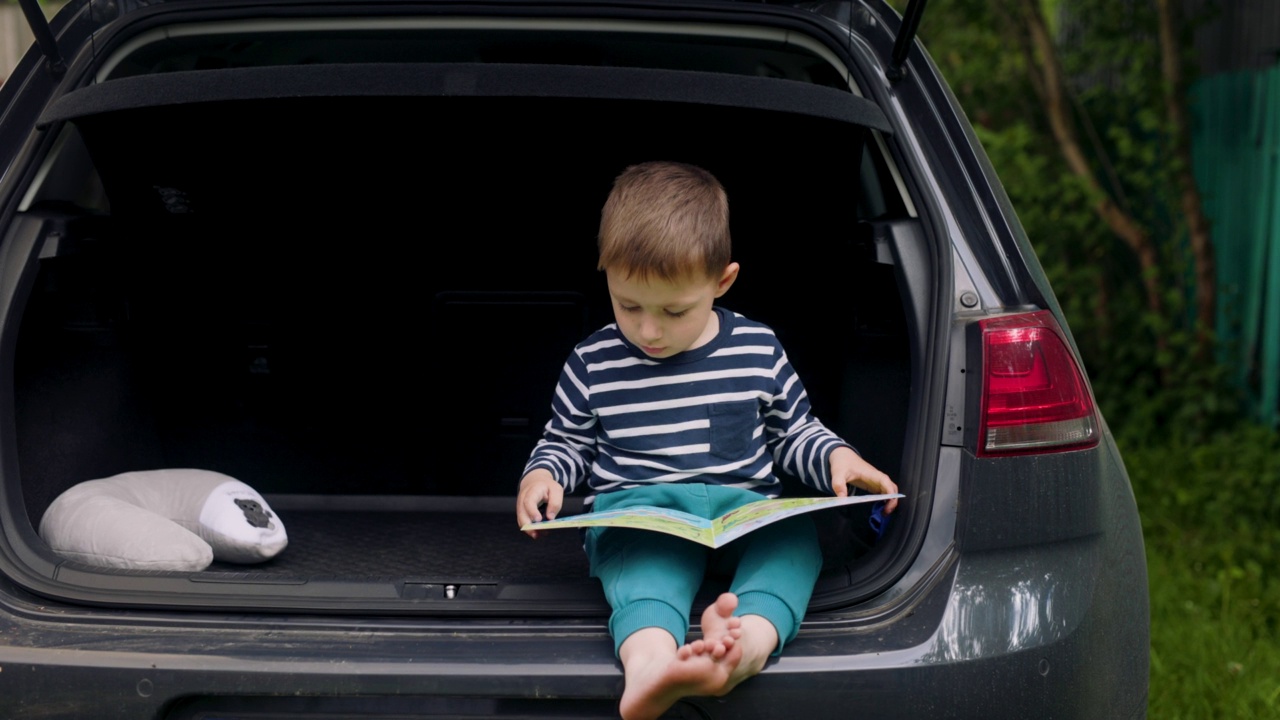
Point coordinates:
[[419, 544]]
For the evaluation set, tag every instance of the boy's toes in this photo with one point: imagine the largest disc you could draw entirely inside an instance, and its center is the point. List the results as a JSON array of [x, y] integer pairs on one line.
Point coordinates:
[[718, 620], [726, 604]]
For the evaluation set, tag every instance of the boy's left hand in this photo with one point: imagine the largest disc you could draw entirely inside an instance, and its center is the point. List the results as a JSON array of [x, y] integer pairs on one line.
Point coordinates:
[[848, 468]]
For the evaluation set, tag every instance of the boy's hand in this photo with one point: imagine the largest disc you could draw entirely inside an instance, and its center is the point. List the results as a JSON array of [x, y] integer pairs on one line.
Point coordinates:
[[538, 488], [848, 468]]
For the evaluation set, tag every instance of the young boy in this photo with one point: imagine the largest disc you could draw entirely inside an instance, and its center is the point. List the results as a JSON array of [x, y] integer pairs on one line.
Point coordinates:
[[685, 405]]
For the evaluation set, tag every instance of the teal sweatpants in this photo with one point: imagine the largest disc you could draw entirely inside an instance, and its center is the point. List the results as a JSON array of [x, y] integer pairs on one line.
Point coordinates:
[[650, 578]]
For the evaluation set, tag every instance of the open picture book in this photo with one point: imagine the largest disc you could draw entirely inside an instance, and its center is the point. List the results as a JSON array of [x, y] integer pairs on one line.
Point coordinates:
[[713, 533]]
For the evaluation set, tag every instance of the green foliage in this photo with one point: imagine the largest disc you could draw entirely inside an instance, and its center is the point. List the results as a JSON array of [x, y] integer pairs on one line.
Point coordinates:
[[1211, 519], [1149, 371], [1208, 489]]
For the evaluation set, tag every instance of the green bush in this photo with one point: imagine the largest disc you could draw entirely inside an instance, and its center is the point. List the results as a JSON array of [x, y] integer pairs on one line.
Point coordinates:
[[1152, 372], [1208, 488]]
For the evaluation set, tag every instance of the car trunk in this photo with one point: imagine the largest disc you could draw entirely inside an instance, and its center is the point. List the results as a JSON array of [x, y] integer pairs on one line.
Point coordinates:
[[359, 305]]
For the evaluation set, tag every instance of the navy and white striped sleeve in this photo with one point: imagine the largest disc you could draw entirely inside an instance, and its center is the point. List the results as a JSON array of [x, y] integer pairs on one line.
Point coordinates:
[[568, 445], [799, 442]]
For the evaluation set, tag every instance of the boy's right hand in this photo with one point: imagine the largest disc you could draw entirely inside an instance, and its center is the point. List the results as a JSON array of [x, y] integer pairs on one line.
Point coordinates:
[[536, 489]]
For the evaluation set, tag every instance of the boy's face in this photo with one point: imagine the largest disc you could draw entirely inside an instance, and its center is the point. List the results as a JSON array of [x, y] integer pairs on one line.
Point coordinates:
[[664, 318]]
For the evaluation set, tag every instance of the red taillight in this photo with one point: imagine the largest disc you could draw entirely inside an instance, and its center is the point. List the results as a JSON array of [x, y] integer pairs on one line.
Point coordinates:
[[1034, 396]]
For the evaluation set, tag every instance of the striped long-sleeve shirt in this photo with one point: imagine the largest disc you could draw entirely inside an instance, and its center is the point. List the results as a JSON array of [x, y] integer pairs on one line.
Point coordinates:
[[725, 413]]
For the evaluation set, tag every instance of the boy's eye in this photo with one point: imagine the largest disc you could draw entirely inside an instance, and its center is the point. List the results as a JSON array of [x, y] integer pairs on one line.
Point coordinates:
[[674, 314], [630, 308]]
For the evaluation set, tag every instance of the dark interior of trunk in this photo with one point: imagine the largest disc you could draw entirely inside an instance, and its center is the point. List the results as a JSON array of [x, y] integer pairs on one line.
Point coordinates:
[[361, 310]]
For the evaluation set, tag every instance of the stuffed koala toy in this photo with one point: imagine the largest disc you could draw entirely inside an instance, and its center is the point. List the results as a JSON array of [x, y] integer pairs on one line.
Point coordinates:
[[163, 520]]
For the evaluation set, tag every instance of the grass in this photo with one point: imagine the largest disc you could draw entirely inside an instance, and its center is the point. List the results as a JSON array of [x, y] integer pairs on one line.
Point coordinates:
[[1211, 519]]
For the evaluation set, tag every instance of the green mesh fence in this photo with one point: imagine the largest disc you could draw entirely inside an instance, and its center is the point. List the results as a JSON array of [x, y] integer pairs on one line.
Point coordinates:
[[1235, 148]]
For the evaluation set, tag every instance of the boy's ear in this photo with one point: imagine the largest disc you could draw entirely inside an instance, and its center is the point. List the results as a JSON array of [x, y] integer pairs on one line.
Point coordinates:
[[726, 279]]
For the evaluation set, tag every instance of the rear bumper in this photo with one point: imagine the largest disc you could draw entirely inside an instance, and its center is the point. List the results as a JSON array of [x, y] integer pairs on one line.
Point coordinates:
[[1042, 631]]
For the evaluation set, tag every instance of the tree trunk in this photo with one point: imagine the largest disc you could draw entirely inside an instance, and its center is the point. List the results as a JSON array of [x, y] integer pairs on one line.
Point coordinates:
[[1061, 122], [1192, 207]]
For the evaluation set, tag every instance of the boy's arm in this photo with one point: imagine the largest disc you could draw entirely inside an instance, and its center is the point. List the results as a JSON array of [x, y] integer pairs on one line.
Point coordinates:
[[538, 488], [848, 468], [807, 449], [563, 457], [568, 445]]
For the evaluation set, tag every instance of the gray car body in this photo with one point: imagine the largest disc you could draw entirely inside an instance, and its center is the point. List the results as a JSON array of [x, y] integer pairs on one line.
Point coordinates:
[[1023, 594]]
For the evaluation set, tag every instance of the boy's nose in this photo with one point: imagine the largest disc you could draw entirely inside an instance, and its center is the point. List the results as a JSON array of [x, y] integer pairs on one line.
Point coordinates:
[[650, 330]]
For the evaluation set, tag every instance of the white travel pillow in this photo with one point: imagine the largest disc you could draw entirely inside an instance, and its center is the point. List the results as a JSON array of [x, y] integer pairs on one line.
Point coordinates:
[[162, 520]]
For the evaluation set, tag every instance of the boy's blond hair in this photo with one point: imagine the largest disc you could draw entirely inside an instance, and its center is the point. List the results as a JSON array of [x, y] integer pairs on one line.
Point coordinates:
[[665, 219]]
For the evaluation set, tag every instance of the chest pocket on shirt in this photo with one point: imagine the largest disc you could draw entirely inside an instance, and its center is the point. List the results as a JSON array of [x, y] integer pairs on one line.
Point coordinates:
[[732, 425]]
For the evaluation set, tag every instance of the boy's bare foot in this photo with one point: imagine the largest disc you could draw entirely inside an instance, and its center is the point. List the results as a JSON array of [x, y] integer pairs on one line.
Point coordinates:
[[720, 629], [658, 674]]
